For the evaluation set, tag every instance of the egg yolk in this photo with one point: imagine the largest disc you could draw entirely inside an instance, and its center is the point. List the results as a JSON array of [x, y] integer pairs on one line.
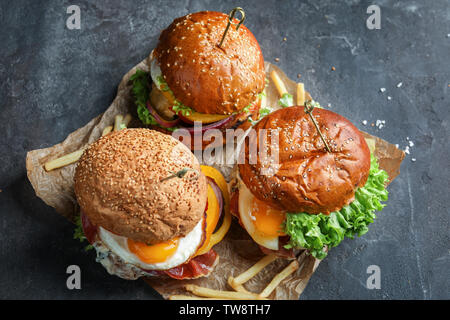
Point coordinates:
[[155, 253], [267, 220]]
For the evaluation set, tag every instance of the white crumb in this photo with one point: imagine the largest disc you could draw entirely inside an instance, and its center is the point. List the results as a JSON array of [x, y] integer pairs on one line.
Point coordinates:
[[382, 89], [380, 123], [364, 122], [396, 145], [413, 159], [406, 150], [411, 144], [389, 98], [399, 84]]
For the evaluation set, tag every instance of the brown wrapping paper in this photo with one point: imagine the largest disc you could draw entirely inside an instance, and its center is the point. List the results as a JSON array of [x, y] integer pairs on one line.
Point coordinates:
[[237, 251]]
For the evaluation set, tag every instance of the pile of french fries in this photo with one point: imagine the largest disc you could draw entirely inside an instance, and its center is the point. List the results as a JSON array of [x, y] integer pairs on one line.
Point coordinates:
[[236, 283], [120, 122]]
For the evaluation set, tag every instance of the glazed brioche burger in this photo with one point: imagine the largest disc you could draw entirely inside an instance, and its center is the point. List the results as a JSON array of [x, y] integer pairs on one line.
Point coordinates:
[[193, 80], [315, 198], [147, 207]]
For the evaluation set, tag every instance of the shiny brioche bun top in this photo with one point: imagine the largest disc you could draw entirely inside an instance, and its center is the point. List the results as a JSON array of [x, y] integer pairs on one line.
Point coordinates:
[[309, 179], [203, 76], [118, 186]]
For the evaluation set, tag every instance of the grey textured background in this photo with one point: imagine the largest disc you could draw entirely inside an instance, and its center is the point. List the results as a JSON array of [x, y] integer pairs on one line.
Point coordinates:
[[54, 80]]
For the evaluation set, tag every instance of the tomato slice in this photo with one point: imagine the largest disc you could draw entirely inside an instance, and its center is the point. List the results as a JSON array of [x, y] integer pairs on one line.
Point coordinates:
[[89, 230]]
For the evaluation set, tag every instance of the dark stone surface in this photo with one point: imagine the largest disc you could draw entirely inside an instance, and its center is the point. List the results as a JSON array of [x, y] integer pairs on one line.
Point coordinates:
[[54, 80]]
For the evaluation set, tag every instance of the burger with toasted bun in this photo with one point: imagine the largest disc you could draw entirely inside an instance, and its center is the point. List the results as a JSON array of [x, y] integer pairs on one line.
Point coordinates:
[[315, 197], [193, 80], [148, 207]]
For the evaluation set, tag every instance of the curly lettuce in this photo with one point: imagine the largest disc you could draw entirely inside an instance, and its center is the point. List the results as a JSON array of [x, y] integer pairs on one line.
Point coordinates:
[[141, 92], [315, 232], [287, 100]]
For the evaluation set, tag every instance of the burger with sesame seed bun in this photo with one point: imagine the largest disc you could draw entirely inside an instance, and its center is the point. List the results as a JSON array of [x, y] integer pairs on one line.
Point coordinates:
[[148, 207], [193, 80], [313, 195]]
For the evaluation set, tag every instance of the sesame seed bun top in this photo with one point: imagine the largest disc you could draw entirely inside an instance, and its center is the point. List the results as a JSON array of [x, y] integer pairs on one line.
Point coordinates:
[[118, 186], [309, 179], [203, 76]]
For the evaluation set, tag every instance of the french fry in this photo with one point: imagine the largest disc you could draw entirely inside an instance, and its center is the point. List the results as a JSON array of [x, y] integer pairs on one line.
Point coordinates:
[[71, 157], [252, 271], [235, 286], [186, 297], [371, 144], [118, 122], [64, 160], [219, 294], [281, 88], [107, 130], [293, 266], [127, 119], [300, 94]]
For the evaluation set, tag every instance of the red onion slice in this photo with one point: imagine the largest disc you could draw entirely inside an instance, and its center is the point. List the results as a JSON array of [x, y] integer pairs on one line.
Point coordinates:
[[214, 125], [161, 121]]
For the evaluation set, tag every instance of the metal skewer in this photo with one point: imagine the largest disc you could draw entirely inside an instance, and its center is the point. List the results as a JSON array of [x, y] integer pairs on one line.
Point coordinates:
[[230, 22], [309, 107]]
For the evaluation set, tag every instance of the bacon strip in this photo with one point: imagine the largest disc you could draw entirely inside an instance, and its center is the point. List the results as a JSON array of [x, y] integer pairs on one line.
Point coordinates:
[[197, 267]]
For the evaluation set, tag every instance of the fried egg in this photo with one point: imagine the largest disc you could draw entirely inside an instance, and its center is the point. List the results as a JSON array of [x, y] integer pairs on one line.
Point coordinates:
[[155, 71], [161, 256], [262, 222]]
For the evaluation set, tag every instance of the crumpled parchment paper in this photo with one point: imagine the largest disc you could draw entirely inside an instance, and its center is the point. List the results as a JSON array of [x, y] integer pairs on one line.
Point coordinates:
[[237, 251]]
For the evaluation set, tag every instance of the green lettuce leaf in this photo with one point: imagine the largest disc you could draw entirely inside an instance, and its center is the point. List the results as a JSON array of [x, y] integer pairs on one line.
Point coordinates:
[[287, 100], [264, 112], [141, 91], [178, 106], [314, 232]]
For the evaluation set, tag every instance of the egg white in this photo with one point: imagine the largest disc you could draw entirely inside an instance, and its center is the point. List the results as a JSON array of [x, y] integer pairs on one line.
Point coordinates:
[[187, 246], [155, 71], [245, 213]]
